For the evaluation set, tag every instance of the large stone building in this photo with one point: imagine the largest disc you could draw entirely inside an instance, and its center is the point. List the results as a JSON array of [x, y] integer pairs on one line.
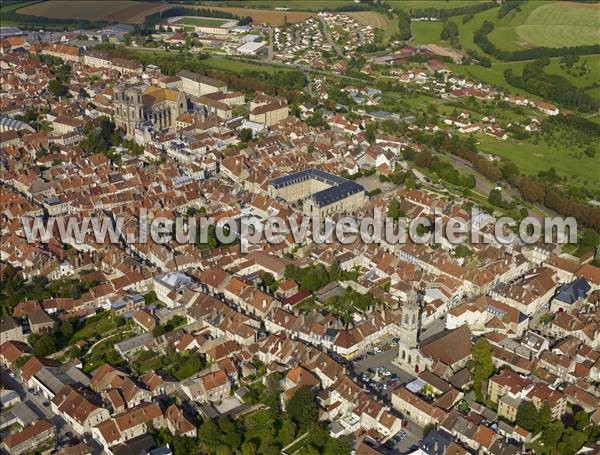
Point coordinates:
[[140, 103], [322, 193], [198, 85], [268, 110]]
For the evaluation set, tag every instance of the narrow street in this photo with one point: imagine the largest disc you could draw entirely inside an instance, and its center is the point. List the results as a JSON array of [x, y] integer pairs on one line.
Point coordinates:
[[36, 403]]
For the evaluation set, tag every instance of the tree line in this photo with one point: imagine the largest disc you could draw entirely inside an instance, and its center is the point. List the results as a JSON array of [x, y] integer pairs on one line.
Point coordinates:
[[30, 21], [551, 86], [442, 14], [532, 189], [508, 6]]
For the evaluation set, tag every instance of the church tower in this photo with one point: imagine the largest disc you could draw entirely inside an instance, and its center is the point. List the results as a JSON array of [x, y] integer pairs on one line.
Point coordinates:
[[411, 320]]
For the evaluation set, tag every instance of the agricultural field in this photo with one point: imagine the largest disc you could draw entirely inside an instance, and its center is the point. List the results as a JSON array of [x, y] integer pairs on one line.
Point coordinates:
[[550, 24], [202, 21], [319, 5], [95, 10], [293, 5], [561, 24], [9, 8], [425, 32], [389, 25], [438, 4], [263, 16]]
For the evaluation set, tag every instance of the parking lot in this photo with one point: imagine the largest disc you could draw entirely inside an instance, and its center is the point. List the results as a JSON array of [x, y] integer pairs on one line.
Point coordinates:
[[376, 372], [407, 443]]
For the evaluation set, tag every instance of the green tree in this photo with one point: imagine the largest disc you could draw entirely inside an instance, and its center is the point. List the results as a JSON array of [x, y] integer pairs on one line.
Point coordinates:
[[552, 434], [483, 366], [272, 391], [57, 88], [509, 170], [589, 241], [224, 450], [287, 433], [495, 198], [370, 131], [230, 434], [335, 271], [209, 435], [462, 251], [544, 417], [246, 135], [338, 446], [582, 419], [43, 345], [302, 408], [527, 415], [394, 209], [248, 448], [67, 328]]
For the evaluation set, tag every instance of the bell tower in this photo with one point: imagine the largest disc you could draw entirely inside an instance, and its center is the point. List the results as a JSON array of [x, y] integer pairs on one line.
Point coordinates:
[[411, 319]]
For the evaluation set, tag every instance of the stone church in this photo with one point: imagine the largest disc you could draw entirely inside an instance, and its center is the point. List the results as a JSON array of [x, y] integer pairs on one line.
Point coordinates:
[[141, 103]]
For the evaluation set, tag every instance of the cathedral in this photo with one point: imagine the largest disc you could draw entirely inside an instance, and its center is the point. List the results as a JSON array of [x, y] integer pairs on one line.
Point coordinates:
[[141, 103]]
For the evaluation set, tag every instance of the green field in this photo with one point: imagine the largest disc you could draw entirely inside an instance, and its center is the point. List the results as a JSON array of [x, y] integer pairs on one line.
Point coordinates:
[[561, 24], [236, 66], [217, 62], [438, 4], [426, 32], [532, 158], [202, 21], [9, 8], [505, 34], [550, 24]]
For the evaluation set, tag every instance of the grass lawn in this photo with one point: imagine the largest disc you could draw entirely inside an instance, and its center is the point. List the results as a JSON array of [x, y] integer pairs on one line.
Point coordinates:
[[426, 32], [238, 66], [467, 30], [105, 352], [578, 80], [96, 326], [532, 158], [202, 21]]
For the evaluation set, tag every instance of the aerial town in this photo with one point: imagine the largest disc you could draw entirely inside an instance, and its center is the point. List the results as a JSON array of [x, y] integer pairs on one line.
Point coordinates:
[[295, 346]]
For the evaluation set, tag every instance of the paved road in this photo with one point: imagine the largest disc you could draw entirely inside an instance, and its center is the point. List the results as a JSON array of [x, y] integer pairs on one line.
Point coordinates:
[[37, 405], [333, 44]]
